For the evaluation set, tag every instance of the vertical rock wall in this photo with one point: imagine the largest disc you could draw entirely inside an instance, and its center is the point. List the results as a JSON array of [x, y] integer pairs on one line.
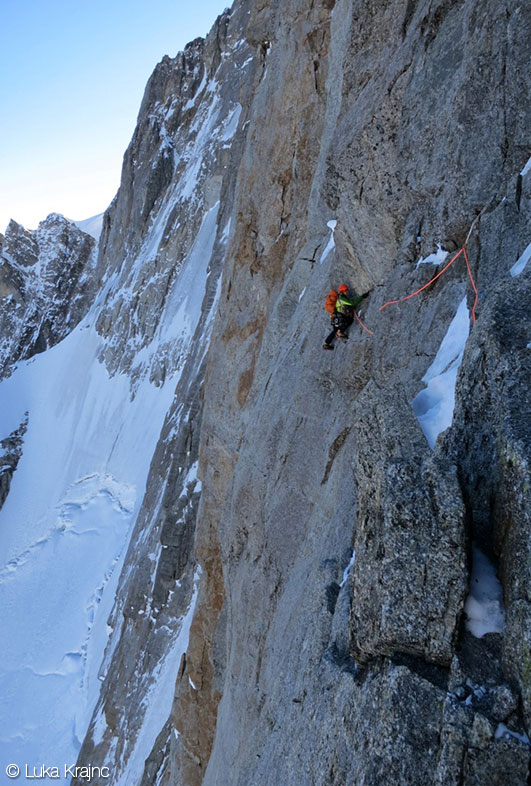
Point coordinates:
[[161, 254], [402, 123]]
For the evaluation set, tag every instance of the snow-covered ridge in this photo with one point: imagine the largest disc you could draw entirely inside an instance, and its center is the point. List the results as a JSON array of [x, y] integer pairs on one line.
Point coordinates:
[[47, 283]]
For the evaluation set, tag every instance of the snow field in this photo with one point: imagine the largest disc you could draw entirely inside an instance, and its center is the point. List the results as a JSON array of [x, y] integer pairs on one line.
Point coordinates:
[[63, 532], [66, 523]]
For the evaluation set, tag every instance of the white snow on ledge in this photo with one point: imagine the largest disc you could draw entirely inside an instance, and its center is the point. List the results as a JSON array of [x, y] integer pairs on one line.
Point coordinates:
[[484, 606], [519, 266], [434, 406], [503, 731], [434, 259]]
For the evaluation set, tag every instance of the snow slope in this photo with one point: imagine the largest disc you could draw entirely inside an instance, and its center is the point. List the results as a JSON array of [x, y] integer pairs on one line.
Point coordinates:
[[66, 523], [92, 226], [63, 530]]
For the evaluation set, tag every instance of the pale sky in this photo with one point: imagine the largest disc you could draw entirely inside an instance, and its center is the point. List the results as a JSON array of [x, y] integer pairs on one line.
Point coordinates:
[[72, 76]]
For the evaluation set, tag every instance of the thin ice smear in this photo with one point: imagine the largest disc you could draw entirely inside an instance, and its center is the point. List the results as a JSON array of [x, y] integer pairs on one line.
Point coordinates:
[[526, 169], [348, 569], [519, 266], [484, 606], [331, 243], [434, 406]]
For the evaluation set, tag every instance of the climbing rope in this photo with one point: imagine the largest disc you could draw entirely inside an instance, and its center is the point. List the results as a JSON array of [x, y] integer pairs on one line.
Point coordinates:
[[439, 274], [445, 268], [451, 262], [366, 329]]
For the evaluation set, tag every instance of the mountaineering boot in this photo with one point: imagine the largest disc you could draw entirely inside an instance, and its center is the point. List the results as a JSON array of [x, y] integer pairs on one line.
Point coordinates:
[[340, 334], [327, 346]]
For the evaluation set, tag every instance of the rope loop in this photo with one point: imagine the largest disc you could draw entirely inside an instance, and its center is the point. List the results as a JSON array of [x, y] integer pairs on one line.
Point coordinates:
[[365, 328], [445, 268]]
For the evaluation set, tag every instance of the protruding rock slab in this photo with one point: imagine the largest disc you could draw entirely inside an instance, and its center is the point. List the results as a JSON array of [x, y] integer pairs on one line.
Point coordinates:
[[409, 577], [492, 442]]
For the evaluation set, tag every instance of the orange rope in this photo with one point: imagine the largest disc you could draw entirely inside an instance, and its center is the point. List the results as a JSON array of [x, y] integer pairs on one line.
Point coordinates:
[[421, 289], [445, 268], [366, 329]]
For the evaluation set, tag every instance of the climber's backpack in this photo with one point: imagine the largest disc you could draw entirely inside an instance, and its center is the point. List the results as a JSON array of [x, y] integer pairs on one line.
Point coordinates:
[[330, 302]]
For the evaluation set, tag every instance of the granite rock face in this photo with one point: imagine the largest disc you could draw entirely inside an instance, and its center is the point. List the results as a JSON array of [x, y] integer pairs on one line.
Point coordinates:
[[390, 121], [291, 608], [410, 570], [492, 439]]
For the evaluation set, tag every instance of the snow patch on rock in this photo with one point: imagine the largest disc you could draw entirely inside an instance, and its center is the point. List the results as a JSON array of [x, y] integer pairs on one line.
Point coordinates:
[[331, 243], [434, 406], [437, 258], [519, 266]]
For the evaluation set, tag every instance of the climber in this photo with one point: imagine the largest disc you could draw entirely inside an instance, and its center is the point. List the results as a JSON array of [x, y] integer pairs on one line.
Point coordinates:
[[341, 308]]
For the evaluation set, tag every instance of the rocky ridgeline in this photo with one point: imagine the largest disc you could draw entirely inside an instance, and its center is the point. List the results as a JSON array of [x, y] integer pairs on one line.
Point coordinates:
[[47, 283], [298, 532], [161, 254]]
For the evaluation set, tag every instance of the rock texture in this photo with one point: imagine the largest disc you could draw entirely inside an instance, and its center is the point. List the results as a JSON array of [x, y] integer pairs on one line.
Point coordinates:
[[376, 117], [291, 606], [409, 579], [47, 283], [11, 452]]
